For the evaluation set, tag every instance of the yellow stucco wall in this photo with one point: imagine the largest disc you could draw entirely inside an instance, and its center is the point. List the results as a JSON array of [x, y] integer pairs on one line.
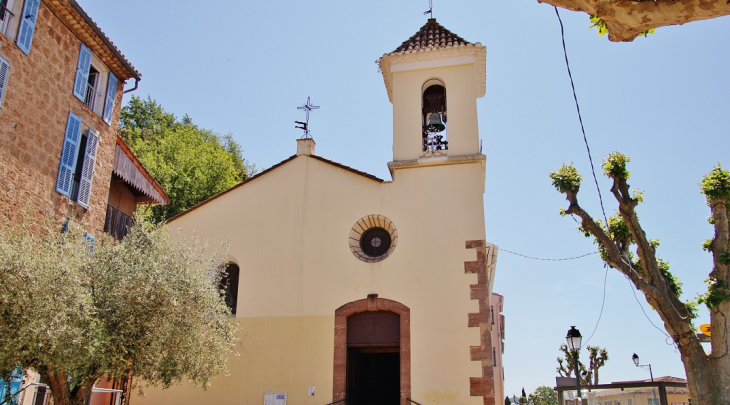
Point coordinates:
[[288, 231]]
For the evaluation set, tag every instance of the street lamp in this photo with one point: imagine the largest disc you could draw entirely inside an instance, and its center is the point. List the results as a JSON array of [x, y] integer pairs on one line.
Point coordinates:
[[635, 358], [574, 339]]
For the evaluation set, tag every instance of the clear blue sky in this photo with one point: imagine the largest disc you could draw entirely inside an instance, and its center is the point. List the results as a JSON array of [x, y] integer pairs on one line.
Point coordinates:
[[244, 67]]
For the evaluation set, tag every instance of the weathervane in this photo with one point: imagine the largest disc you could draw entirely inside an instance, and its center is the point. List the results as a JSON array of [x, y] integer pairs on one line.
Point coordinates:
[[305, 125], [430, 9]]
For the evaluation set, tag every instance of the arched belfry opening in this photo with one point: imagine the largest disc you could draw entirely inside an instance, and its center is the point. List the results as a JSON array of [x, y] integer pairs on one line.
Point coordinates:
[[372, 362], [434, 117]]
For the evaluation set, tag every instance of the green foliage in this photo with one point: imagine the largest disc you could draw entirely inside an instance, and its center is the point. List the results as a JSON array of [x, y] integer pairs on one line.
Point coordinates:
[[614, 165], [544, 395], [597, 359], [706, 245], [148, 306], [717, 293], [716, 184], [190, 163], [599, 24], [674, 284], [618, 230], [567, 179]]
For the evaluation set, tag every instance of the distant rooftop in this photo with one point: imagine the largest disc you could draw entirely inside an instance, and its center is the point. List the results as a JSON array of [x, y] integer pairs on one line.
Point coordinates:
[[431, 36]]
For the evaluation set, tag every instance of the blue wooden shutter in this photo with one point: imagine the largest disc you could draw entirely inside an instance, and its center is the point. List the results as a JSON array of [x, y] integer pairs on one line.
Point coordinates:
[[111, 94], [87, 172], [4, 67], [27, 25], [82, 73], [68, 155]]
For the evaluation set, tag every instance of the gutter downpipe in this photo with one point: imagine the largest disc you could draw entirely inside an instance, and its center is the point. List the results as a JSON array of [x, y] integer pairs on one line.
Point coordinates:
[[136, 83]]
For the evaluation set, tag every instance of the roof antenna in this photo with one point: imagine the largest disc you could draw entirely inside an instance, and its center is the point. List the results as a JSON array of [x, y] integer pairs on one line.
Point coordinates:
[[305, 125], [430, 9]]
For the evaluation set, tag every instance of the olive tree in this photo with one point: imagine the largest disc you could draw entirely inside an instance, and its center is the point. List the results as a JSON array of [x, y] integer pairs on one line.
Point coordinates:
[[75, 310], [624, 245]]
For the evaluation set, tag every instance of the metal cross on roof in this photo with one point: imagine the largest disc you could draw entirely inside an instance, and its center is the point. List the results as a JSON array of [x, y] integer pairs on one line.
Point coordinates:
[[305, 125], [430, 9]]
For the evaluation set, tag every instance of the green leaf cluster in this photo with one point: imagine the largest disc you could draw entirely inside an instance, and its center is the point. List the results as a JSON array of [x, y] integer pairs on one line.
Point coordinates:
[[718, 291], [716, 184], [191, 164], [147, 307], [566, 179], [614, 165], [543, 395], [600, 24]]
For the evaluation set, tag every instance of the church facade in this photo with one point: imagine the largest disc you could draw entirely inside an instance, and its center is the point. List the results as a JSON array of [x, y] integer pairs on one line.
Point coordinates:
[[357, 290]]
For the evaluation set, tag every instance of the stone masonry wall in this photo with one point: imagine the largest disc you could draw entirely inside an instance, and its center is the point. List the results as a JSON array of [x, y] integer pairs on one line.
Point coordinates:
[[38, 98]]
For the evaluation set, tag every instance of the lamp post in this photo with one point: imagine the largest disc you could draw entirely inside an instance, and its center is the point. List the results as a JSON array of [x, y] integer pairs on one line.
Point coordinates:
[[574, 339], [635, 358]]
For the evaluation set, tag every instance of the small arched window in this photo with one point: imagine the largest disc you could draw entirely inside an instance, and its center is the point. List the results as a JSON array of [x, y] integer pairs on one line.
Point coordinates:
[[229, 286], [433, 116]]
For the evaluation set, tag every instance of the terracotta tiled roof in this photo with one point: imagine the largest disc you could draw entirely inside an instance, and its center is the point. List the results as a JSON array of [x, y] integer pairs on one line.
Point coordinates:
[[76, 19], [431, 36]]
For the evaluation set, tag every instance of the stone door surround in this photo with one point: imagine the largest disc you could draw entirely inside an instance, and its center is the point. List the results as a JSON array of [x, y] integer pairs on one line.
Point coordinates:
[[371, 303]]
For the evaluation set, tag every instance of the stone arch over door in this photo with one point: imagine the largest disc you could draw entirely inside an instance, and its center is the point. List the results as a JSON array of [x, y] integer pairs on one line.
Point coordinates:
[[371, 303]]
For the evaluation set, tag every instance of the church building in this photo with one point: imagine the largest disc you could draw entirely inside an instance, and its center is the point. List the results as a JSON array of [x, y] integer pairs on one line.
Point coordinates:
[[357, 290]]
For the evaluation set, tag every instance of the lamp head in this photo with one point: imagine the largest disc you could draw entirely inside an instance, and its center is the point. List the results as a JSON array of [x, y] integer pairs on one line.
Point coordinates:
[[635, 358], [573, 338]]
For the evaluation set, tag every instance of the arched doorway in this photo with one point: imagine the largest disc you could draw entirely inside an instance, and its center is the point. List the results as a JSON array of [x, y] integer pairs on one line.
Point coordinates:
[[372, 352]]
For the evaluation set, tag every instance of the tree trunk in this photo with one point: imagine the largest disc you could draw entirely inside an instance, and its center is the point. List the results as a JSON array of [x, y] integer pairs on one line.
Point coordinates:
[[62, 395]]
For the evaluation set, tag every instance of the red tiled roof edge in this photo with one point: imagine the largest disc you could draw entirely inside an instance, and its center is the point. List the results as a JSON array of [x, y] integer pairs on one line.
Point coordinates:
[[107, 42]]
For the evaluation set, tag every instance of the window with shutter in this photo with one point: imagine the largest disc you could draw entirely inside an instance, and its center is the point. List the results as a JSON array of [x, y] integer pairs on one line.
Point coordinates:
[[111, 94], [82, 73], [27, 25], [70, 149], [4, 68], [87, 171]]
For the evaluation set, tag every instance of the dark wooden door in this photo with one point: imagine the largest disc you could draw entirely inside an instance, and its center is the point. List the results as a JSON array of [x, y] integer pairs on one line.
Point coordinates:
[[373, 358]]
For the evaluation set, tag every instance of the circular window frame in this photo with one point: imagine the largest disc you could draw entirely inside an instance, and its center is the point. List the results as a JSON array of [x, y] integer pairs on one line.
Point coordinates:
[[365, 224]]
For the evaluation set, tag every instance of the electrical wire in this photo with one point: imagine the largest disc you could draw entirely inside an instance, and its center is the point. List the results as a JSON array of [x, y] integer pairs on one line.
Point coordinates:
[[603, 303], [590, 159], [551, 260], [580, 118]]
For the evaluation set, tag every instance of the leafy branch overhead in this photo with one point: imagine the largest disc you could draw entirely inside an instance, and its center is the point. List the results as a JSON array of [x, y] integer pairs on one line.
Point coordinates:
[[624, 20], [623, 244]]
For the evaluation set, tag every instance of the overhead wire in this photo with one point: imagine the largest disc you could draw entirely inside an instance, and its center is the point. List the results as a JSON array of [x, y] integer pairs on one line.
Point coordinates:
[[590, 159], [540, 258]]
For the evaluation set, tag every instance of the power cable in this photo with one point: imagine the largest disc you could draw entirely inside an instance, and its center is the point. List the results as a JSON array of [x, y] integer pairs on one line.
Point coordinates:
[[580, 118], [590, 159], [551, 260]]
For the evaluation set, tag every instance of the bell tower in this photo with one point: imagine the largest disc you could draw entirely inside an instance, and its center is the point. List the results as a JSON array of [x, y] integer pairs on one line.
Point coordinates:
[[433, 80]]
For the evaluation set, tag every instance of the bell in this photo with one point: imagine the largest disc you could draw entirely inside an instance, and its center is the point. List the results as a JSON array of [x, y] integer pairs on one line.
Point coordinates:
[[435, 124]]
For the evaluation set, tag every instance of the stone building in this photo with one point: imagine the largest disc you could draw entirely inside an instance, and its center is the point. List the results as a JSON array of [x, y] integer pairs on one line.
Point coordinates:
[[352, 288], [61, 87]]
